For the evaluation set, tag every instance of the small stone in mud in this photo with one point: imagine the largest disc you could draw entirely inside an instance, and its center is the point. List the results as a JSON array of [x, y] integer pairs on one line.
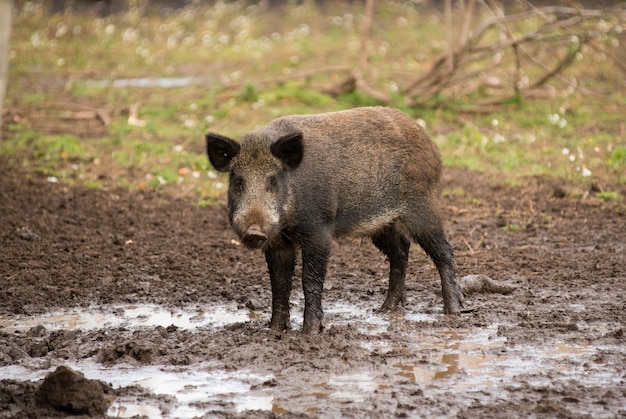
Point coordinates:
[[254, 304], [559, 192], [37, 331], [471, 284], [26, 233], [69, 391]]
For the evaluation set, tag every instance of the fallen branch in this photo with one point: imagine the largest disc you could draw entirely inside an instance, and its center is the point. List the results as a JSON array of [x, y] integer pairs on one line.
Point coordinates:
[[65, 117], [469, 63], [560, 25]]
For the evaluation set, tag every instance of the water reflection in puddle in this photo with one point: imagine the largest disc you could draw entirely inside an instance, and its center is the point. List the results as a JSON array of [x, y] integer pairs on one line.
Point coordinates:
[[470, 361], [355, 387], [462, 360], [364, 319], [202, 384], [146, 315], [152, 315]]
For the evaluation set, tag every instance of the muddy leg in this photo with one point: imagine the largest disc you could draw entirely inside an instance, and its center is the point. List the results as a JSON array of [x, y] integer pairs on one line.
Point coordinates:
[[281, 263], [426, 229], [396, 247], [314, 263], [440, 251]]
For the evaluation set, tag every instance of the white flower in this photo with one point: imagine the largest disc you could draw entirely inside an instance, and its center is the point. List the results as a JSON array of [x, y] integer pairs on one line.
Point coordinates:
[[62, 30], [130, 35], [554, 118], [36, 40]]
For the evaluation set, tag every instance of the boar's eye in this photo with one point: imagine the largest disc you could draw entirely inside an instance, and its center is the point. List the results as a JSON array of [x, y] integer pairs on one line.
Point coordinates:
[[272, 184], [236, 183]]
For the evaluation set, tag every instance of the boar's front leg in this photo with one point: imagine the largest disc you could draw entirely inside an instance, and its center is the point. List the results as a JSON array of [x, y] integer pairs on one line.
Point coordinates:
[[314, 263], [281, 260]]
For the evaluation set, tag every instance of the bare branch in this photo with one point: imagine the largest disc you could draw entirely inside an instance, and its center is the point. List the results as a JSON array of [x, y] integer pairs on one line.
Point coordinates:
[[566, 61], [557, 26]]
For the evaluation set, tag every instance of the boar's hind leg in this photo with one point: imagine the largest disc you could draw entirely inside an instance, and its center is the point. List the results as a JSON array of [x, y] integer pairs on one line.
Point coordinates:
[[432, 239], [281, 261], [396, 247]]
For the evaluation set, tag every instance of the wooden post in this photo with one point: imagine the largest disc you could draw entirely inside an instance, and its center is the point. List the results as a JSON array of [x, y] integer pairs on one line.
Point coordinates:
[[6, 13]]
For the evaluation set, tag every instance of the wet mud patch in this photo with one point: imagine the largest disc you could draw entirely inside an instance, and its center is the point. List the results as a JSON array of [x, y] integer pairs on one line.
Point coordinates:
[[151, 295], [363, 359]]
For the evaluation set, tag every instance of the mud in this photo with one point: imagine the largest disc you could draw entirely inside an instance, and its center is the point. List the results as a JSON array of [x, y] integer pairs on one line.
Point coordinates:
[[152, 296]]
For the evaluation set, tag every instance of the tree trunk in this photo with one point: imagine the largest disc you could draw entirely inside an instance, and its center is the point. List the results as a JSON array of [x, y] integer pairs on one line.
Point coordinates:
[[6, 13]]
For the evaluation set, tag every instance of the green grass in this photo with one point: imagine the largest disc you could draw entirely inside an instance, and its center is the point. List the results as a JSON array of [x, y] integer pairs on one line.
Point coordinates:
[[244, 56], [610, 196]]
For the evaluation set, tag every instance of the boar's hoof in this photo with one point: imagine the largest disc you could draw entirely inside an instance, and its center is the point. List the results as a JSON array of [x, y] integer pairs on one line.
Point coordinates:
[[313, 327], [254, 238], [453, 309]]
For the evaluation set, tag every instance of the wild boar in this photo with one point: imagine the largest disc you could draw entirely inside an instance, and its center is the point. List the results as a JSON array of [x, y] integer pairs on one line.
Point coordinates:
[[303, 180]]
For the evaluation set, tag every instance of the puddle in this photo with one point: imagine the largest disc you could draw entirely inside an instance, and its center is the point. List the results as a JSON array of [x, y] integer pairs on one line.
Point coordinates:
[[474, 363], [152, 315], [188, 386], [165, 82], [133, 316], [467, 362], [366, 321], [355, 387]]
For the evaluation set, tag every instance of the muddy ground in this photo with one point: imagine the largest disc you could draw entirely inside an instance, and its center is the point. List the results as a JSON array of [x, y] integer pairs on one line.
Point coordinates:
[[554, 347]]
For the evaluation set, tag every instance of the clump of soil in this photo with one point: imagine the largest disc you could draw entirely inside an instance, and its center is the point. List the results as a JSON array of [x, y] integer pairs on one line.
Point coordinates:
[[471, 284], [69, 392]]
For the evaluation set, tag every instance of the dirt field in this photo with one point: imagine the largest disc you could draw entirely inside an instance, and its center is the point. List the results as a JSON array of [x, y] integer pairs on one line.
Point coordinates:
[[154, 297]]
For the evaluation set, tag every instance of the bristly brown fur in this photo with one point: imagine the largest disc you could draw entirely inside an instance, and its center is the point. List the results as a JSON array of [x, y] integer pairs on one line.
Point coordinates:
[[302, 180]]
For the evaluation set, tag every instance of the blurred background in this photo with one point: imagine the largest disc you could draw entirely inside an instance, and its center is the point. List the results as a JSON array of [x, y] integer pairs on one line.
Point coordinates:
[[121, 92]]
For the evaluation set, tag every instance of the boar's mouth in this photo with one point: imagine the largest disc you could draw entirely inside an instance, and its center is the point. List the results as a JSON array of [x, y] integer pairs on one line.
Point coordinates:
[[254, 238]]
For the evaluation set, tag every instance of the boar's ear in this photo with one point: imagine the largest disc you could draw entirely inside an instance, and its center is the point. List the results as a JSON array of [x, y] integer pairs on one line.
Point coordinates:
[[288, 149], [221, 151]]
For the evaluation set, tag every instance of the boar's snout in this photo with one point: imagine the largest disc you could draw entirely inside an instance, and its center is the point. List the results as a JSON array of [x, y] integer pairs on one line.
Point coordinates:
[[254, 238]]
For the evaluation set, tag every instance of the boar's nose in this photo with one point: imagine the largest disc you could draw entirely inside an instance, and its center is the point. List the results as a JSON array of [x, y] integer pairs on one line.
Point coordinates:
[[254, 238]]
